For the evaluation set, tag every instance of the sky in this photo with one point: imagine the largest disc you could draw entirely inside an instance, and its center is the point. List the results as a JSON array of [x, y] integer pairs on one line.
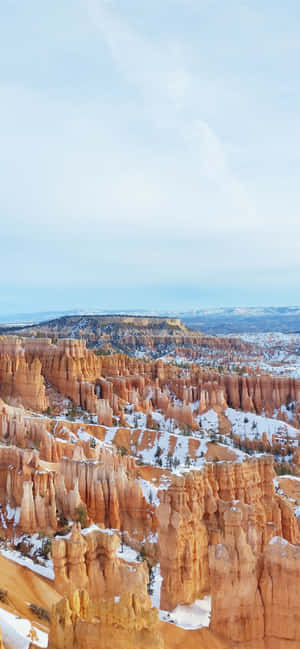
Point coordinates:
[[150, 154]]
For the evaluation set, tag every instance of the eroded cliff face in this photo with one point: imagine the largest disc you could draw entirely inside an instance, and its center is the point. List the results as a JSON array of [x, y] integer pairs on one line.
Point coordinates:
[[105, 602], [248, 393], [193, 515], [88, 560], [237, 607], [100, 385], [218, 526], [103, 385], [121, 623], [72, 369], [20, 381], [255, 596], [279, 585], [100, 481]]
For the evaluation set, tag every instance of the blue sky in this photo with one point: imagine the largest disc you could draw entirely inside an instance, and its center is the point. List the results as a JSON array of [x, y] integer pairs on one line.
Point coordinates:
[[150, 153]]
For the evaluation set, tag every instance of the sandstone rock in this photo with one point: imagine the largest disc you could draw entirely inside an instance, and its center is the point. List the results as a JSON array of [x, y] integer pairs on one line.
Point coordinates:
[[193, 515], [120, 623], [237, 608], [20, 380], [89, 561]]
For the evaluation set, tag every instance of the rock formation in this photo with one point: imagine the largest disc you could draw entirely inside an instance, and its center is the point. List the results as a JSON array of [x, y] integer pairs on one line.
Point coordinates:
[[101, 385], [255, 596], [120, 623], [237, 608], [99, 479], [193, 514], [279, 585], [89, 561], [107, 604], [20, 381]]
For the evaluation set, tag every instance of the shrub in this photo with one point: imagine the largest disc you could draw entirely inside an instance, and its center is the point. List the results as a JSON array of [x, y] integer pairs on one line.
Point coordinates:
[[282, 468], [122, 450], [3, 596], [24, 547], [46, 547], [62, 520], [40, 612], [142, 555], [185, 429], [49, 411], [158, 452], [72, 412], [81, 516]]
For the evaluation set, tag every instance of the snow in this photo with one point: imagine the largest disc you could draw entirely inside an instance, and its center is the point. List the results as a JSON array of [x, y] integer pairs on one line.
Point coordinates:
[[13, 513], [279, 540], [156, 586], [210, 421], [147, 489], [16, 632], [88, 530], [252, 426], [127, 553], [181, 450], [3, 521], [194, 616], [110, 435], [274, 352], [93, 527], [45, 571], [82, 434]]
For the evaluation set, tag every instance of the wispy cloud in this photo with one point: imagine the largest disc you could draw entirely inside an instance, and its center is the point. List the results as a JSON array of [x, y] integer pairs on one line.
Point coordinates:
[[142, 149], [172, 97]]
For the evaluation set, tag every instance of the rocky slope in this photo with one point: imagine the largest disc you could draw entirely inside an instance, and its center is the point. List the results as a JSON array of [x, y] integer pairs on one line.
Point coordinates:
[[164, 469]]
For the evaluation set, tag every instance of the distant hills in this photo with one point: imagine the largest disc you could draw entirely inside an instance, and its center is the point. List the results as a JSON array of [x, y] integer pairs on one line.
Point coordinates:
[[244, 320], [215, 320]]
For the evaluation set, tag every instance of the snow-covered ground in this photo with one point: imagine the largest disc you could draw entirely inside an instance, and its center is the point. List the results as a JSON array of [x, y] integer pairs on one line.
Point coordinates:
[[194, 616], [209, 421], [252, 426], [32, 561], [149, 492], [18, 633], [127, 553], [161, 447], [17, 557], [279, 352]]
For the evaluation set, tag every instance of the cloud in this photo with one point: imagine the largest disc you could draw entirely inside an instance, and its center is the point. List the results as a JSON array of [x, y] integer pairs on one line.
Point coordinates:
[[160, 74], [136, 161]]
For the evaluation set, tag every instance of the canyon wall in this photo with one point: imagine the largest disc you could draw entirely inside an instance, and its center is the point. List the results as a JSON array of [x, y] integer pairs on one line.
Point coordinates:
[[120, 623], [99, 481], [106, 603], [193, 515], [87, 559], [255, 596], [102, 385], [21, 381]]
